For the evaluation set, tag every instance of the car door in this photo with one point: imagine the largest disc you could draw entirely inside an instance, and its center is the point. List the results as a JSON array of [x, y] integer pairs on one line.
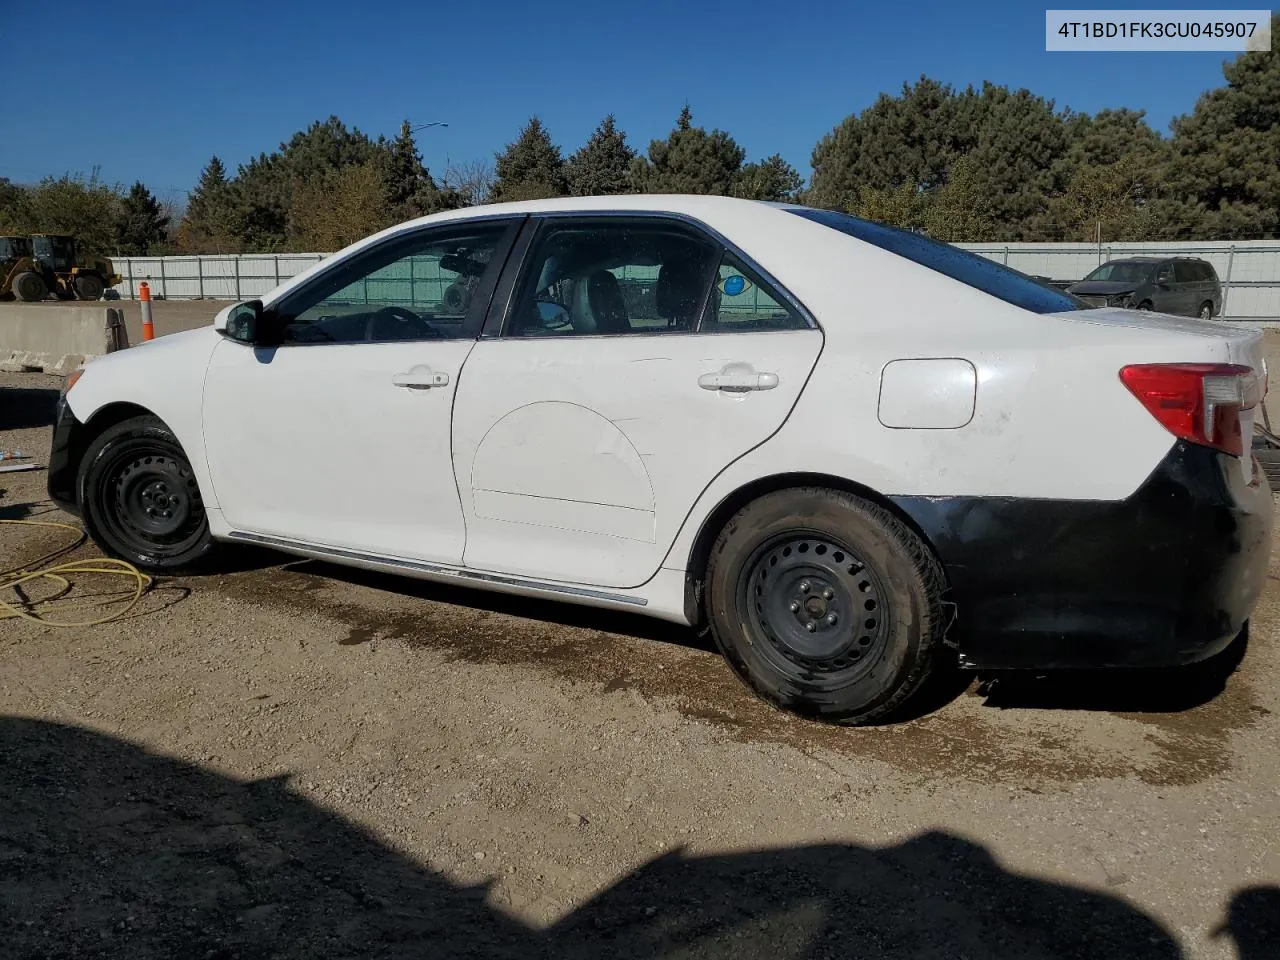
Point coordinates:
[[1163, 295], [338, 433], [1187, 284], [637, 358]]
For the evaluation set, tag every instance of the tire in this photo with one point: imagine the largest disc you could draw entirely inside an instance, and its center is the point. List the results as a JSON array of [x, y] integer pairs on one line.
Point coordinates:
[[1145, 305], [139, 498], [1206, 311], [29, 287], [89, 286], [831, 557]]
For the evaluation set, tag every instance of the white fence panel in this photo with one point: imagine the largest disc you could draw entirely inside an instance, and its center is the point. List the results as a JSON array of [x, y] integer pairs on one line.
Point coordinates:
[[1249, 270]]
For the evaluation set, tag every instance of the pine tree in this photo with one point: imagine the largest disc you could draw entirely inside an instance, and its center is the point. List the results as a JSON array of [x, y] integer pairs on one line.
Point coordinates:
[[690, 160], [141, 224], [771, 179], [531, 167], [211, 224], [410, 190], [1222, 180], [602, 165]]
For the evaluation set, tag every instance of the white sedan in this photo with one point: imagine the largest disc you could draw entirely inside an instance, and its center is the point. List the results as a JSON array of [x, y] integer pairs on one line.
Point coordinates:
[[854, 453]]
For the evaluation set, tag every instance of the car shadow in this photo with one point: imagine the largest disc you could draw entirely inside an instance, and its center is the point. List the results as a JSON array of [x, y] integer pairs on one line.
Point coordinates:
[[25, 407], [1132, 690], [528, 608], [1166, 690], [108, 850]]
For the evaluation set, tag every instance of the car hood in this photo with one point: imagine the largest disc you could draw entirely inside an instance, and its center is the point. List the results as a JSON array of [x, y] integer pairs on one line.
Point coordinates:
[[1102, 288]]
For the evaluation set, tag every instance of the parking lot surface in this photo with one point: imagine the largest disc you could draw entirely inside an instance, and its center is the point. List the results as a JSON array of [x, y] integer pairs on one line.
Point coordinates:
[[294, 759]]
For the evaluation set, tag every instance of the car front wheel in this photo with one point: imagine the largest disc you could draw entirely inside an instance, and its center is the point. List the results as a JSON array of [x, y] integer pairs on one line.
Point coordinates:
[[826, 604], [140, 500]]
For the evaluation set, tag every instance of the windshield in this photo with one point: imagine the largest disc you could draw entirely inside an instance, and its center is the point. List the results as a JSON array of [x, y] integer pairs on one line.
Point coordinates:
[[1121, 271], [971, 269]]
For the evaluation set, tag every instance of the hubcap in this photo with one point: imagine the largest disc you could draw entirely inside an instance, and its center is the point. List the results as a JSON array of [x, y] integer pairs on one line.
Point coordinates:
[[817, 607]]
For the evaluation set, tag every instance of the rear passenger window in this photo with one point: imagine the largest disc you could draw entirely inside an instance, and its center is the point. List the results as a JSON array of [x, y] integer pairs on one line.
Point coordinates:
[[1185, 272], [602, 278], [740, 302]]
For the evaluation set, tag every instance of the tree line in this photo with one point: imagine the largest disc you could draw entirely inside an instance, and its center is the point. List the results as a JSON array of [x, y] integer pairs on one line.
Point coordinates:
[[969, 164]]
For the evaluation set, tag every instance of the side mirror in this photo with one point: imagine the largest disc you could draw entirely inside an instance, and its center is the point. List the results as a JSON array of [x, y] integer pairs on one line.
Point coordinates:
[[244, 322]]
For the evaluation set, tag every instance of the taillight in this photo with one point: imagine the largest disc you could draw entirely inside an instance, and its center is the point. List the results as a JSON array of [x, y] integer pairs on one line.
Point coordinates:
[[1197, 402]]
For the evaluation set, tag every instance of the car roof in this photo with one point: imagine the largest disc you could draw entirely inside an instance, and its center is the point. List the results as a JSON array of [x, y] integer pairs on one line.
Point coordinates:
[[687, 203]]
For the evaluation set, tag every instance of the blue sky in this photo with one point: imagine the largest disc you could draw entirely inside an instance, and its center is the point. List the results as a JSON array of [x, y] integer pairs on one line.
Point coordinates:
[[155, 92]]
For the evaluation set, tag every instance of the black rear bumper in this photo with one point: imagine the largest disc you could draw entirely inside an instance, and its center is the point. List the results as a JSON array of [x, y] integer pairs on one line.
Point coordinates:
[[64, 459], [1167, 576]]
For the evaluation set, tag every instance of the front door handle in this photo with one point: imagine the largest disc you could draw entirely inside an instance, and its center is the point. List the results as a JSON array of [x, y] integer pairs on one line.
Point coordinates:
[[738, 378], [420, 378]]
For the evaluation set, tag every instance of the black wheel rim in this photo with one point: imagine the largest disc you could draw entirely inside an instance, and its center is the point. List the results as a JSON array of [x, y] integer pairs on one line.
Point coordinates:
[[818, 611], [148, 499]]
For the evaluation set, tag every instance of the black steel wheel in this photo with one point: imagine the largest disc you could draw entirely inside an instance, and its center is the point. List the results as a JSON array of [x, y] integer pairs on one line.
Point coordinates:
[[826, 604], [29, 287], [819, 607], [89, 286], [140, 499]]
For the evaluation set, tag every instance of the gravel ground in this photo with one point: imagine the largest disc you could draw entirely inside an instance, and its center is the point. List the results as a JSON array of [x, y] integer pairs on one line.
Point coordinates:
[[291, 759]]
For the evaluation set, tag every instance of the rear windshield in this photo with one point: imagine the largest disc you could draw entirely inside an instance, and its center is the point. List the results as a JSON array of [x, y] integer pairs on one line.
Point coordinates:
[[1122, 271], [986, 275]]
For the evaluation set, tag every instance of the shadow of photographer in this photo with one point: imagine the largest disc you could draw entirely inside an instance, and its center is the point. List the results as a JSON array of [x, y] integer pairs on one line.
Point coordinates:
[[124, 853]]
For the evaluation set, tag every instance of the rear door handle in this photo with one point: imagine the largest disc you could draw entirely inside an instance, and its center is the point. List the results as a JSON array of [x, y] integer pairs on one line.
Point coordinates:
[[738, 378], [420, 378]]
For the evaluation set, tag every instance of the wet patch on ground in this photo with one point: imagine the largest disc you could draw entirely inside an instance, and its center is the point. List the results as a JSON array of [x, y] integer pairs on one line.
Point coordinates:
[[1020, 731]]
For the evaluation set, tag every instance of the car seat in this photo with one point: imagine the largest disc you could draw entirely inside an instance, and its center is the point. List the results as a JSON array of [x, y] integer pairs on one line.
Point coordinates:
[[598, 306], [679, 292]]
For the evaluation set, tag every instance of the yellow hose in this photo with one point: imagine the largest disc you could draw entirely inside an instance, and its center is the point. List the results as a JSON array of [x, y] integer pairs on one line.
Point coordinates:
[[14, 578]]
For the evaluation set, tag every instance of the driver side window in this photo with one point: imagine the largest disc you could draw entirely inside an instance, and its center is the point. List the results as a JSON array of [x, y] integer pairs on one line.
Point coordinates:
[[420, 286]]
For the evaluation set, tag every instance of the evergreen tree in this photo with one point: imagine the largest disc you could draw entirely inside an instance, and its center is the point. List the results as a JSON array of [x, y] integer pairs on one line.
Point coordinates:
[[1222, 179], [910, 143], [531, 167], [10, 198], [603, 164], [141, 224], [410, 190], [771, 179], [211, 223], [913, 138], [690, 160]]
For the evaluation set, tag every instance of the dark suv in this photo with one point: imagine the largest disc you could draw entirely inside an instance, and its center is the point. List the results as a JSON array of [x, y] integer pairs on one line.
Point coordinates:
[[1179, 285]]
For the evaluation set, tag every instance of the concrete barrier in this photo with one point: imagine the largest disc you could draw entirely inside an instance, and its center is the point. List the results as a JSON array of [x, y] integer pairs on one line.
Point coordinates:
[[57, 338]]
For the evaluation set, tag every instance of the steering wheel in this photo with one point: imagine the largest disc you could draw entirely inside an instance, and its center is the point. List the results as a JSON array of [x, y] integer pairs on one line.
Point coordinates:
[[410, 325]]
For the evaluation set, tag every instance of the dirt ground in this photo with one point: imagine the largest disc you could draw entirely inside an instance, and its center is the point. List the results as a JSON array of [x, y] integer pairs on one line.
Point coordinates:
[[291, 759]]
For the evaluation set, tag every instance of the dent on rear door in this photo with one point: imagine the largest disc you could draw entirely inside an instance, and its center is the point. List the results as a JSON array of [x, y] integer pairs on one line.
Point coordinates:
[[579, 458]]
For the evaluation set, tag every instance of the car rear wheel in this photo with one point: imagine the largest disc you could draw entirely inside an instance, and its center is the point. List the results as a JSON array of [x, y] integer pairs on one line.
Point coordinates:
[[140, 500], [826, 604], [1206, 311], [1145, 305]]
